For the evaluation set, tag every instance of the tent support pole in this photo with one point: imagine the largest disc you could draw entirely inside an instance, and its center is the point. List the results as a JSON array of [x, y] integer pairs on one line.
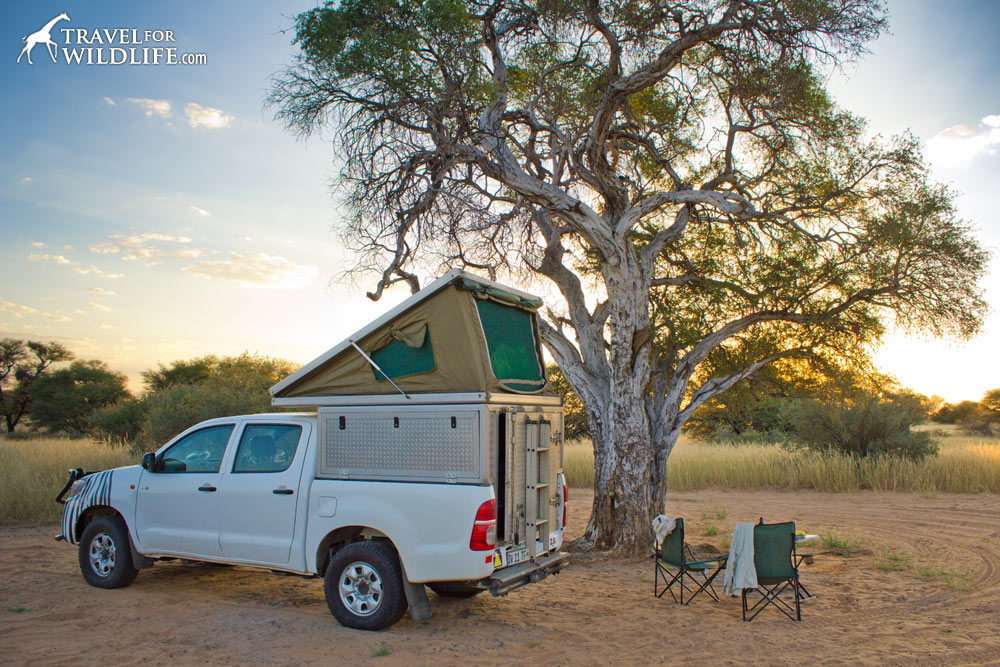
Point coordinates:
[[372, 362]]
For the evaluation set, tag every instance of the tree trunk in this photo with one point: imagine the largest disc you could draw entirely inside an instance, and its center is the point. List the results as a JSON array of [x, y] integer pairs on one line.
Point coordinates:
[[624, 474]]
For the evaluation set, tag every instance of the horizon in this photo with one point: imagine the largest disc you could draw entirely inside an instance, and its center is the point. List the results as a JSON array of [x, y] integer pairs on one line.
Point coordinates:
[[155, 212]]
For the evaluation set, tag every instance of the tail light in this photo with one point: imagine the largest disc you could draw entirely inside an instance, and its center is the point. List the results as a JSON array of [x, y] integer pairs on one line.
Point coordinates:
[[565, 503], [484, 530]]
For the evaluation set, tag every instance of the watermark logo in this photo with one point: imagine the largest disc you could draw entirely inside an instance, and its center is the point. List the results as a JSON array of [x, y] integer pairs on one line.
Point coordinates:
[[42, 36], [109, 46]]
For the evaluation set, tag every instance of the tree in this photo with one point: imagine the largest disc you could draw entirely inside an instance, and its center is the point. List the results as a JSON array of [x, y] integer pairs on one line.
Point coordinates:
[[574, 415], [956, 413], [20, 366], [675, 170], [65, 399], [989, 405], [236, 385], [180, 372]]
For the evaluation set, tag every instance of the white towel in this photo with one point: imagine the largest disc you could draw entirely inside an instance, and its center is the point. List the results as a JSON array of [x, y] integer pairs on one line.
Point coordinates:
[[663, 526], [740, 570]]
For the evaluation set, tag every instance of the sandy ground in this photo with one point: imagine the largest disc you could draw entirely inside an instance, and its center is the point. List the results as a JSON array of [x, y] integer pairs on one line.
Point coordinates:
[[599, 611]]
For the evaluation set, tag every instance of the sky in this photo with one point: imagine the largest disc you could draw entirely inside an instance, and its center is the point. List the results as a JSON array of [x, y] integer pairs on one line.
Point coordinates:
[[154, 212]]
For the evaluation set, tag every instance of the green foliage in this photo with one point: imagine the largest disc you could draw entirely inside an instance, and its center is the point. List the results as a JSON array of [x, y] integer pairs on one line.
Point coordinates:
[[121, 422], [864, 427], [20, 365], [65, 399], [990, 404], [180, 372], [891, 561], [955, 413], [237, 385], [381, 650], [848, 547], [575, 424]]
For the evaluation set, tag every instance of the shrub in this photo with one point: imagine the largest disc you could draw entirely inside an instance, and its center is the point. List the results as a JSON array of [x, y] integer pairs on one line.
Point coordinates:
[[237, 385], [121, 422], [864, 428]]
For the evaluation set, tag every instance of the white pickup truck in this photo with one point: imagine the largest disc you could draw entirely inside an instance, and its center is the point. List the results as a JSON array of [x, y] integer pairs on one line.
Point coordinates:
[[245, 491], [434, 456]]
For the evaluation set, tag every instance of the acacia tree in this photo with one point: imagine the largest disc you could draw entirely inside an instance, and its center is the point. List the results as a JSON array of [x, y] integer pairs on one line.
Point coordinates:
[[675, 169], [20, 366]]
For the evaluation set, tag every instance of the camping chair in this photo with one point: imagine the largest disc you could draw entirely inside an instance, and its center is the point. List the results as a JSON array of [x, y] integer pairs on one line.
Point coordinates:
[[777, 570], [670, 555]]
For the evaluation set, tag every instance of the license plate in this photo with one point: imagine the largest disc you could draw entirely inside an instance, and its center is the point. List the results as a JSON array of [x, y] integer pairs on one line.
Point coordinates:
[[515, 556]]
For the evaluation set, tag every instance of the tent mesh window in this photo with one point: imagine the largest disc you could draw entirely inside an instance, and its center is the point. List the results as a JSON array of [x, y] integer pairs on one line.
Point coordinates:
[[398, 359], [510, 338]]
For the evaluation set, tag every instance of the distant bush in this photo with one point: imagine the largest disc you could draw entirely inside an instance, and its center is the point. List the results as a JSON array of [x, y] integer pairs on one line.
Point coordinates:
[[121, 422], [955, 413], [236, 385], [866, 427]]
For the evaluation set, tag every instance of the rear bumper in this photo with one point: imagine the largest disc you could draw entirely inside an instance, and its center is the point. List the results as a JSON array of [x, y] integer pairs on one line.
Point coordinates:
[[504, 581]]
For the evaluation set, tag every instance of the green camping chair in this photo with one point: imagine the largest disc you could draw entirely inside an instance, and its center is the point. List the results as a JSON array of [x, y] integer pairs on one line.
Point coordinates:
[[777, 570], [670, 555]]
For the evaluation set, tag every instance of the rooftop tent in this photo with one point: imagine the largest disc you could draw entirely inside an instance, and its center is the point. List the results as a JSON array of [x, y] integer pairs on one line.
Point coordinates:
[[461, 333]]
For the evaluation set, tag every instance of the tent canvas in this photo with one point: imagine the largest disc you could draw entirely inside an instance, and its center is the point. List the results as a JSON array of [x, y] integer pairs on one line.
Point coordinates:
[[462, 333]]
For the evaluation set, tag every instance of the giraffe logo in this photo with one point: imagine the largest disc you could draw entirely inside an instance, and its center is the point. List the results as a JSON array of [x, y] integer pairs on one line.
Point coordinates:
[[42, 36]]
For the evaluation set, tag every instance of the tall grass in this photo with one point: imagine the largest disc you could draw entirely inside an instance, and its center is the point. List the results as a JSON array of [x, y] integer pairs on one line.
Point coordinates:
[[33, 470], [964, 465]]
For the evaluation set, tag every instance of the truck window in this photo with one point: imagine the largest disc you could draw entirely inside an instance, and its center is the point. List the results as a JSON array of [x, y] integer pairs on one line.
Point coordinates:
[[200, 451], [267, 447]]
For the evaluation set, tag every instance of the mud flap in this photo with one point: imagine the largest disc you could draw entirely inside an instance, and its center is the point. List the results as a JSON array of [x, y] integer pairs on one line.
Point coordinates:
[[416, 597], [139, 561]]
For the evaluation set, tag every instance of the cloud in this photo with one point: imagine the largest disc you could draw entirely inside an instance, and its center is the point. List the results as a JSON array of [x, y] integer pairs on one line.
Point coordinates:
[[57, 259], [146, 248], [207, 117], [101, 291], [99, 306], [159, 108], [109, 101], [37, 244], [26, 180], [94, 271], [18, 311], [256, 270], [960, 145], [200, 211]]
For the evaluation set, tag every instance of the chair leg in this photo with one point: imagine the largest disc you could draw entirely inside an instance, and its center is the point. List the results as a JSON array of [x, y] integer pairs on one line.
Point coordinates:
[[770, 596]]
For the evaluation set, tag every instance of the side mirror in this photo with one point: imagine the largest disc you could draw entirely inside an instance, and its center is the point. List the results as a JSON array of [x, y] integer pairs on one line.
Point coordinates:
[[148, 461]]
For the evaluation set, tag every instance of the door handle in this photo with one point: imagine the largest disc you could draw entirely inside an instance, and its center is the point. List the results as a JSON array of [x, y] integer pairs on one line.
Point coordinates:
[[207, 488], [282, 491]]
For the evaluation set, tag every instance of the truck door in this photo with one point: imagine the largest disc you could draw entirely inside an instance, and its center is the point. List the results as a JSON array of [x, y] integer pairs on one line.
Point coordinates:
[[259, 495], [177, 508]]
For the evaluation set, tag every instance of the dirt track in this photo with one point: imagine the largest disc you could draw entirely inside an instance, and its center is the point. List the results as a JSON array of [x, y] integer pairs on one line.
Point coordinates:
[[599, 611]]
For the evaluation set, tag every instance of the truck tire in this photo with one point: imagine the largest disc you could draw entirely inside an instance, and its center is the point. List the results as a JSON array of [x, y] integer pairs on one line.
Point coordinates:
[[455, 589], [106, 554], [364, 586]]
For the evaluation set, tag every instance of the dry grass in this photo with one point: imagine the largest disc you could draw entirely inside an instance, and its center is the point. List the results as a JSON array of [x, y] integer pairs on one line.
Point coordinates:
[[964, 465], [32, 471]]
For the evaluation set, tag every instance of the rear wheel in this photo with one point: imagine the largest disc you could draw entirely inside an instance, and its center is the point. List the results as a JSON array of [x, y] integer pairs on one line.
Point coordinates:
[[454, 589], [105, 553], [364, 586]]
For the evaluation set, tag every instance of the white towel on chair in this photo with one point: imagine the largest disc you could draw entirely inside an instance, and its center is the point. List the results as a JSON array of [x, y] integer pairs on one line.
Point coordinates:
[[740, 570], [663, 526]]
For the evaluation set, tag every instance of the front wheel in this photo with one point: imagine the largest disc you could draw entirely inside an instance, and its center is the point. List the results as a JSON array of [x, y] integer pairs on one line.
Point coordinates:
[[364, 586], [105, 553]]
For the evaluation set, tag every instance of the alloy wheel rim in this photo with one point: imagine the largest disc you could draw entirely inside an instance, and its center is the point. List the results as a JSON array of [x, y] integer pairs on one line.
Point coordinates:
[[102, 554], [361, 589]]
